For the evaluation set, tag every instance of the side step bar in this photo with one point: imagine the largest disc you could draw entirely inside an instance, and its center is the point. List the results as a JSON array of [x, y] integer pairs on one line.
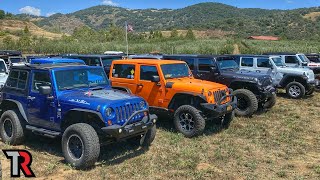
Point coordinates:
[[43, 131]]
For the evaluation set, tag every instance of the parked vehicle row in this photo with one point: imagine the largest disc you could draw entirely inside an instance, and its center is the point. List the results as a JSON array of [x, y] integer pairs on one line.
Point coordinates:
[[72, 97]]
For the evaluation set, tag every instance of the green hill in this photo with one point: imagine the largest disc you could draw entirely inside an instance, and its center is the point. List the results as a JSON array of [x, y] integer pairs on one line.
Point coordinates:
[[292, 24]]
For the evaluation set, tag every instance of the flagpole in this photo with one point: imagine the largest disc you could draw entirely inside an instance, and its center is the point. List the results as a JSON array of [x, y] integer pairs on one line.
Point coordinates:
[[127, 43]]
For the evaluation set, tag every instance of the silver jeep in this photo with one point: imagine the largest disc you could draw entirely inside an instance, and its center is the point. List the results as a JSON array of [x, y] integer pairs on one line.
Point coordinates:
[[298, 82], [3, 73]]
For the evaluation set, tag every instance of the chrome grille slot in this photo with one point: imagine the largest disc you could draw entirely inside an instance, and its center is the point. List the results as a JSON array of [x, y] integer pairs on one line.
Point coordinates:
[[218, 95], [124, 112]]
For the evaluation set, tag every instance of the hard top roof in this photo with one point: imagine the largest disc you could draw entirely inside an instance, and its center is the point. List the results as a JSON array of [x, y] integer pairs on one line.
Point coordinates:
[[147, 61], [90, 55], [50, 66]]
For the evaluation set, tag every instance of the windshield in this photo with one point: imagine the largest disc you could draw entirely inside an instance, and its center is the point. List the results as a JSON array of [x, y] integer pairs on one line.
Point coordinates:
[[228, 64], [108, 61], [278, 62], [80, 78], [2, 67], [171, 71], [304, 58]]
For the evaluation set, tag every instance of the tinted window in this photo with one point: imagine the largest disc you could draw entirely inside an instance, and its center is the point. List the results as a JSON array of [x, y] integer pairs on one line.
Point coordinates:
[[147, 72], [171, 71], [190, 63], [263, 63], [205, 64], [40, 79], [291, 59], [123, 71], [247, 62], [108, 61], [17, 79]]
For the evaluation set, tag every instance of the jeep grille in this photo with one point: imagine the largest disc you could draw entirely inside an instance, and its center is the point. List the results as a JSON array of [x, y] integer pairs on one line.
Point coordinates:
[[219, 94], [124, 112]]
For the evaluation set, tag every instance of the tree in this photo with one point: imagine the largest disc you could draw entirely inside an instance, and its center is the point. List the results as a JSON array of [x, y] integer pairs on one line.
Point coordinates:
[[174, 34], [190, 34], [8, 42], [26, 30], [2, 14]]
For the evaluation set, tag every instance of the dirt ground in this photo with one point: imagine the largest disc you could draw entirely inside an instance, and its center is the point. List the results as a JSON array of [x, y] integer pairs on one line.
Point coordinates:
[[282, 143]]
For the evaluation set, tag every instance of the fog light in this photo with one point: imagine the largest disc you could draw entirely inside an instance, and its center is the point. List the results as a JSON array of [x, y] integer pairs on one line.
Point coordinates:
[[120, 130], [154, 121]]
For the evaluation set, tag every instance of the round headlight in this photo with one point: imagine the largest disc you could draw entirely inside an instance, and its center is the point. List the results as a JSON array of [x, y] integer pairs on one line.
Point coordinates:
[[108, 112], [142, 104]]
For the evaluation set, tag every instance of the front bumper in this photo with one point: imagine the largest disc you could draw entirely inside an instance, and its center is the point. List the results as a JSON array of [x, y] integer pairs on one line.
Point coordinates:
[[219, 109], [130, 130], [266, 92]]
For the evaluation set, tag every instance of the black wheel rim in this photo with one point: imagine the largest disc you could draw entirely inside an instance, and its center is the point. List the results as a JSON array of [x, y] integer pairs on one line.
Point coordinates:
[[186, 122], [7, 126], [75, 147], [242, 104]]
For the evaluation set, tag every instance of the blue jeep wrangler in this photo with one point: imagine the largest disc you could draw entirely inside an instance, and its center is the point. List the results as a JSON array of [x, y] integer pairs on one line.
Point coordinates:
[[76, 102]]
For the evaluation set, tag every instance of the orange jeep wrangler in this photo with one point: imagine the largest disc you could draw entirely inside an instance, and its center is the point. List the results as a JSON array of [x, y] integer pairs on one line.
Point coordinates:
[[170, 86]]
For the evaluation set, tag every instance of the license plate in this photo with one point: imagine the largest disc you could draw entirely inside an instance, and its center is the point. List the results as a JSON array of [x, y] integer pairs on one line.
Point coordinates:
[[229, 108]]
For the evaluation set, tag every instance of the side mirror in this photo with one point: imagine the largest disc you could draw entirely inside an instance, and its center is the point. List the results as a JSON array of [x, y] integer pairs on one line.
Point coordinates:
[[213, 69], [45, 90], [155, 79]]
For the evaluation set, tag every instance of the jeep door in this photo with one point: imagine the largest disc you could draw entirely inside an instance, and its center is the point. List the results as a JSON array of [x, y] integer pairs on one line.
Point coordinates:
[[292, 61], [247, 63], [152, 92], [124, 75], [203, 69], [41, 110], [263, 66]]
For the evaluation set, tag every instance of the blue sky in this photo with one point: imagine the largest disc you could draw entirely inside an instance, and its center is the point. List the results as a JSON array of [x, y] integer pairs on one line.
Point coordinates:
[[48, 7]]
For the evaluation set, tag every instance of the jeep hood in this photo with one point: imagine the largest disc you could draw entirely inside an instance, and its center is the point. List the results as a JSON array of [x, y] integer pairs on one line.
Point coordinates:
[[292, 70], [93, 99], [195, 85]]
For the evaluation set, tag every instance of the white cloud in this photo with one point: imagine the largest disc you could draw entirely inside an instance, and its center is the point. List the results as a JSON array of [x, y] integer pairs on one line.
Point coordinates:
[[109, 2], [50, 14], [30, 10]]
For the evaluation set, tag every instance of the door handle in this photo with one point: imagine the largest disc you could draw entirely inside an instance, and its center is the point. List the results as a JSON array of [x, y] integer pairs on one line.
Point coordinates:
[[31, 98], [140, 85]]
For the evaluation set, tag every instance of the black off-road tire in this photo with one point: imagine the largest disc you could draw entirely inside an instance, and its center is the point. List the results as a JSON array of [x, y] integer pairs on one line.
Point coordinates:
[[89, 141], [148, 138], [271, 101], [310, 91], [298, 85], [226, 120], [144, 140], [250, 100], [11, 119], [193, 114]]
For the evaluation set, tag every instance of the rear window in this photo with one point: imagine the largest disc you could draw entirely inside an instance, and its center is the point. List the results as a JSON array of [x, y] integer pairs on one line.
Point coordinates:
[[17, 79], [126, 71], [248, 62]]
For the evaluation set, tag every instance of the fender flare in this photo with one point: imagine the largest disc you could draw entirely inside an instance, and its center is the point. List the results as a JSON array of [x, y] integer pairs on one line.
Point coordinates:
[[88, 111], [20, 107], [187, 93], [287, 76]]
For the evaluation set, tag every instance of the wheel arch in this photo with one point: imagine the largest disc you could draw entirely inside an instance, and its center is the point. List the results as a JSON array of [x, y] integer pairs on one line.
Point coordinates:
[[74, 116], [13, 104], [289, 78], [184, 97], [121, 88]]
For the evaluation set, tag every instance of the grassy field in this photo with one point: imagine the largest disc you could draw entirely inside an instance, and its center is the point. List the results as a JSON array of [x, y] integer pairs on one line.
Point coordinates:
[[282, 143]]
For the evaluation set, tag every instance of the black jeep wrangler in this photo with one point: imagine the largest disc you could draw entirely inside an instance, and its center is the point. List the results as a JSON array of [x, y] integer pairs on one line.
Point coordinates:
[[252, 89]]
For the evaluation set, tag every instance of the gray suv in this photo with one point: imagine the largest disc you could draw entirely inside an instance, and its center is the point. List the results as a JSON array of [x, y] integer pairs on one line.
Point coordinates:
[[298, 82]]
